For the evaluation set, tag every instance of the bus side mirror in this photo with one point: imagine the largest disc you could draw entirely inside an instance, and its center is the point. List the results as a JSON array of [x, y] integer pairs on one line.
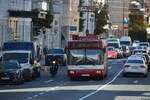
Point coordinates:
[[1, 59]]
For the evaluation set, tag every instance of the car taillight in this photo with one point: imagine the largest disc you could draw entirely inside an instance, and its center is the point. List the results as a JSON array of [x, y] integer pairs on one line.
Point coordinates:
[[126, 66], [143, 66], [149, 61]]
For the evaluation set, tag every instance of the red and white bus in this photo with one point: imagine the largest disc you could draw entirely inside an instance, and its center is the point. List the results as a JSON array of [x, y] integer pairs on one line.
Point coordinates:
[[87, 58]]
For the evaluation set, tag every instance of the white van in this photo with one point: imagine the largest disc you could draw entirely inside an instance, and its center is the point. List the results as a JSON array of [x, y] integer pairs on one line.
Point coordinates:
[[125, 40]]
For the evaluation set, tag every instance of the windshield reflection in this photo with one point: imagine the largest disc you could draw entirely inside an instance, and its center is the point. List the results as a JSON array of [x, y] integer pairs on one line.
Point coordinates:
[[20, 57], [85, 57]]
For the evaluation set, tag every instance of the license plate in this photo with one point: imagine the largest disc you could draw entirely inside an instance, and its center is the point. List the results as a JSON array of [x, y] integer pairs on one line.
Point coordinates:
[[134, 67], [85, 75], [5, 78]]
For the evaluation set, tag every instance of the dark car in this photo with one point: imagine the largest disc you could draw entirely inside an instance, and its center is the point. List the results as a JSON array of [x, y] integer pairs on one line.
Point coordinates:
[[131, 48], [126, 51], [11, 72], [58, 53]]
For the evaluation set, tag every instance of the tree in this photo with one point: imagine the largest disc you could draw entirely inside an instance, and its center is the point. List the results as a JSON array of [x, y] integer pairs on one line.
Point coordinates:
[[101, 19], [137, 25], [136, 22]]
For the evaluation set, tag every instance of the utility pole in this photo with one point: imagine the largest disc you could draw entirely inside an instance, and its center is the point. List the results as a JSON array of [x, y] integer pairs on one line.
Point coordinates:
[[123, 17], [87, 27]]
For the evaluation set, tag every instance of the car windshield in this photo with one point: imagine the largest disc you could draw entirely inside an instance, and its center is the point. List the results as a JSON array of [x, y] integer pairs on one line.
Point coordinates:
[[143, 45], [20, 57], [116, 45], [11, 66], [131, 48], [110, 49], [135, 61], [56, 51], [125, 42], [85, 57]]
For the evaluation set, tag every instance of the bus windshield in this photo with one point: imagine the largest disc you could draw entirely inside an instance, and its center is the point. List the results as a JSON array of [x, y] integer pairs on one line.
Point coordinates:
[[85, 57]]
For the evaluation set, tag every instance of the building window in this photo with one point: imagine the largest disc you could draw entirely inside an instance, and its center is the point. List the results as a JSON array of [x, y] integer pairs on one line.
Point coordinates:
[[75, 20]]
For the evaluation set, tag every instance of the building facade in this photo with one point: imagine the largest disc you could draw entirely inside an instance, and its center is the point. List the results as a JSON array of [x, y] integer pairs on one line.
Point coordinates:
[[70, 16], [4, 17], [119, 10], [21, 26]]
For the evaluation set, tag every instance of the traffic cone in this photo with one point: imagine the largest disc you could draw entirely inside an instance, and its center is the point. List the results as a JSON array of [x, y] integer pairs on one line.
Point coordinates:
[[45, 69]]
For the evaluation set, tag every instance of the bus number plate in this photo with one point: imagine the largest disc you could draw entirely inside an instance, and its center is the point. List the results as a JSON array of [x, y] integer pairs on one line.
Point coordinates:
[[85, 75]]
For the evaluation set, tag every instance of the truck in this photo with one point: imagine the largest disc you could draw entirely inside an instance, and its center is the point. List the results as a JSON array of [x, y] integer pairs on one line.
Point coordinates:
[[25, 54], [126, 40]]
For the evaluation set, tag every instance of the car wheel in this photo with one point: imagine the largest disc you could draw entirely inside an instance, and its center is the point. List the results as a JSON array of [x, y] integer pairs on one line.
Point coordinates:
[[72, 78], [145, 75], [39, 74], [124, 75]]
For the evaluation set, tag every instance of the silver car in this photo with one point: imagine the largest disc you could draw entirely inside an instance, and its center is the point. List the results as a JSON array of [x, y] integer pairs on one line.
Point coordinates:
[[135, 65]]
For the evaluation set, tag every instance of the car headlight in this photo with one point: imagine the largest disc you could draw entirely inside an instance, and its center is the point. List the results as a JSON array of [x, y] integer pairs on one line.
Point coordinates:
[[54, 62]]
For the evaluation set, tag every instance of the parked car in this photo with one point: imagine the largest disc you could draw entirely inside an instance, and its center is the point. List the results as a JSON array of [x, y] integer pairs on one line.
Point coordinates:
[[59, 54], [11, 71], [126, 51], [112, 53], [135, 65]]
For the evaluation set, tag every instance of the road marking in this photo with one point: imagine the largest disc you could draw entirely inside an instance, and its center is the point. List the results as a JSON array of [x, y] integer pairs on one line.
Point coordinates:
[[109, 67], [100, 88], [48, 81], [41, 93], [29, 98], [136, 81], [35, 96]]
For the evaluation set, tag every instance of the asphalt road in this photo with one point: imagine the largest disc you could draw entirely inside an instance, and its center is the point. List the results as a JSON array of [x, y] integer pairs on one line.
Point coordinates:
[[113, 87]]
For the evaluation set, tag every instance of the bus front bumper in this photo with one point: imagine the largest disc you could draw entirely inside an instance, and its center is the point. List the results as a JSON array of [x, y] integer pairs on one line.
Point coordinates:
[[86, 73]]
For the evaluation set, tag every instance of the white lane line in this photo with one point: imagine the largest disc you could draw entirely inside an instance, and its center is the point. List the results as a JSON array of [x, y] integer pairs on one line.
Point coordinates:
[[48, 81], [29, 98], [109, 67], [136, 81], [41, 93], [35, 96], [100, 88]]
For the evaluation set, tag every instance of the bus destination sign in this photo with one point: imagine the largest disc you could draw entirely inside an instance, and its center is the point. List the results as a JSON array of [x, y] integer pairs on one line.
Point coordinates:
[[85, 44]]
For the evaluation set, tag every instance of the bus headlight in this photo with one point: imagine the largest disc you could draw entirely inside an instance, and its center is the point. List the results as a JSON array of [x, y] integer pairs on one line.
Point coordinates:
[[98, 72], [72, 72]]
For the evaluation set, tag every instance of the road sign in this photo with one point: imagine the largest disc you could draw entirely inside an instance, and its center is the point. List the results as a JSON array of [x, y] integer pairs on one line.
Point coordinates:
[[126, 21], [73, 28]]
